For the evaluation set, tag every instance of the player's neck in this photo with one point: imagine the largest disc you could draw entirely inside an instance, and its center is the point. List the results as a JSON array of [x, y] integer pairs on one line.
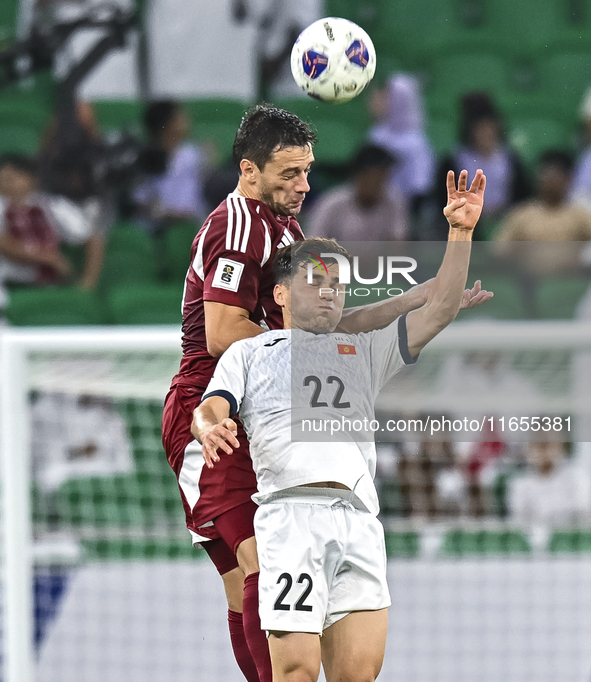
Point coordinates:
[[245, 191]]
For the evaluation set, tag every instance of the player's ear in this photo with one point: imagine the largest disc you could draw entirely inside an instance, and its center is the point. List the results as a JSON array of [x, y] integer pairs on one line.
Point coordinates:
[[279, 295], [248, 170]]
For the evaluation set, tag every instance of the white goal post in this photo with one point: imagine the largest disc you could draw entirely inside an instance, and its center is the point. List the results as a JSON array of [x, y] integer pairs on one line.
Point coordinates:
[[18, 377]]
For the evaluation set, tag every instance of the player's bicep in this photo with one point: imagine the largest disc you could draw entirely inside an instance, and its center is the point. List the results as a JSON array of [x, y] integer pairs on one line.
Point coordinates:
[[420, 329], [225, 324]]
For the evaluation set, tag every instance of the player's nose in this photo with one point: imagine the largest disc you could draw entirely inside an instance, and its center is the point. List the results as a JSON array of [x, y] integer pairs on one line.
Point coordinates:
[[302, 184]]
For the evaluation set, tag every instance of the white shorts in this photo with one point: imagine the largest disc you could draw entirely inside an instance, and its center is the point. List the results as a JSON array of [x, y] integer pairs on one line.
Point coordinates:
[[320, 559]]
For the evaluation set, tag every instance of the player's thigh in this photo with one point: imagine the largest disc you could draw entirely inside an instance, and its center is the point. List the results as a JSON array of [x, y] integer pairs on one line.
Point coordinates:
[[295, 566], [353, 648], [295, 656]]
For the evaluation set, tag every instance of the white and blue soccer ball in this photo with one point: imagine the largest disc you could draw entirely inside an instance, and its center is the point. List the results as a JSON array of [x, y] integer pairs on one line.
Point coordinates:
[[333, 60]]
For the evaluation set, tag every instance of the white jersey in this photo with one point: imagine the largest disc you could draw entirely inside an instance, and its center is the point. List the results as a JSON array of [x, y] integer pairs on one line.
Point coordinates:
[[279, 378]]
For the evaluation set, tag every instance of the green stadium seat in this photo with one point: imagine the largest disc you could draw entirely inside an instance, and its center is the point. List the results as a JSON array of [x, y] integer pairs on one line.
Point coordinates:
[[23, 114], [443, 134], [565, 77], [54, 306], [464, 543], [145, 304], [220, 134], [177, 243], [455, 74], [366, 13], [353, 113], [129, 257], [558, 298], [130, 239], [532, 136], [215, 110], [118, 114], [337, 141], [20, 139], [570, 541], [413, 30], [402, 545]]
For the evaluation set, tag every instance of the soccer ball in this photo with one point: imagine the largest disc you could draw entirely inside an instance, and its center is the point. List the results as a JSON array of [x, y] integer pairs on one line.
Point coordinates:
[[333, 60]]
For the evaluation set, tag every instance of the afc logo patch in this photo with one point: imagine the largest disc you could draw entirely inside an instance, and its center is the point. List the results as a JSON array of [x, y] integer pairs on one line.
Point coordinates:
[[227, 274]]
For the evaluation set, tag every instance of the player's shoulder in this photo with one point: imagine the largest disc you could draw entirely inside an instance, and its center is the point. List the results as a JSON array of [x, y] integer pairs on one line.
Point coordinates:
[[248, 350]]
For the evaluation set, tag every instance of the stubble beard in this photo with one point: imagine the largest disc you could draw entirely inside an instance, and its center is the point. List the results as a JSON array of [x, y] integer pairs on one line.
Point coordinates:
[[266, 196]]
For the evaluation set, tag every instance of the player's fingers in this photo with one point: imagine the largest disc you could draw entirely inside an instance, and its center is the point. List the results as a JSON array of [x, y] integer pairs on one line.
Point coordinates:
[[475, 186], [477, 287], [482, 184], [463, 181], [480, 298], [223, 444], [231, 426], [451, 182], [209, 455]]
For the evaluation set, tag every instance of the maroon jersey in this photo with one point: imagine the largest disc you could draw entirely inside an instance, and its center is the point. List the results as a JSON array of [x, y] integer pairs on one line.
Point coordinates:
[[231, 263]]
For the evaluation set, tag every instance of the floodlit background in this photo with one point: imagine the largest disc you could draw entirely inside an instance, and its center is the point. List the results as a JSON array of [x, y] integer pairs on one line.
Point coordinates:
[[116, 127]]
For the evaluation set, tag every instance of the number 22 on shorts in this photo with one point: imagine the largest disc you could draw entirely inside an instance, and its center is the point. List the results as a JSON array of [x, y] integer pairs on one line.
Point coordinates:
[[300, 604]]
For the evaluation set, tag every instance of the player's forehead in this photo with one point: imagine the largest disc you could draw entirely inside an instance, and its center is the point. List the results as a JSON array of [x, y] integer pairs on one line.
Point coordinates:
[[290, 158], [307, 269]]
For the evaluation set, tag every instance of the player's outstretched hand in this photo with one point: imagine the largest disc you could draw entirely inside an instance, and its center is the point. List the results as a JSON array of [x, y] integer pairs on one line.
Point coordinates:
[[464, 205], [475, 296], [222, 436]]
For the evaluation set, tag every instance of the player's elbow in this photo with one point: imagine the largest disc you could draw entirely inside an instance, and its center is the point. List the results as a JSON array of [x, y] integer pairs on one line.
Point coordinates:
[[216, 345]]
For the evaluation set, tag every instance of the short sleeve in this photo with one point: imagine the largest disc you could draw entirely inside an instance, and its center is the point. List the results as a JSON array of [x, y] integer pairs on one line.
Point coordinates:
[[389, 352], [229, 377], [69, 219], [234, 251]]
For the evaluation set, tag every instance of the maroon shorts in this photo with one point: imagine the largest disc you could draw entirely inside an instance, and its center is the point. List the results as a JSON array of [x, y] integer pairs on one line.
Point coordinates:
[[206, 494], [234, 526]]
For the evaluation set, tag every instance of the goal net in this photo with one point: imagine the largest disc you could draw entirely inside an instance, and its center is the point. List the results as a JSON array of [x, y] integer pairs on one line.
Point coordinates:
[[488, 536]]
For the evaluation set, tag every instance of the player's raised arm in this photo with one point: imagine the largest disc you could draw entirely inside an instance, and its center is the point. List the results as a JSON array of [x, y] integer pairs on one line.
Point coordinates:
[[214, 429], [463, 210]]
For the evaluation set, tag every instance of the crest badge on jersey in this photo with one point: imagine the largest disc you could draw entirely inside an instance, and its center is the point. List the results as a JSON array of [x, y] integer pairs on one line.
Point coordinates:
[[228, 274]]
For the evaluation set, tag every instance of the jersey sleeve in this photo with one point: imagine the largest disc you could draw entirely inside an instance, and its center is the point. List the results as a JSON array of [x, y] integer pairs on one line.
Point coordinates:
[[69, 219], [389, 352], [235, 248], [229, 378]]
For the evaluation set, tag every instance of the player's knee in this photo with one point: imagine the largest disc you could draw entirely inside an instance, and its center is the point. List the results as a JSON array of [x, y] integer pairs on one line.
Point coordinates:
[[362, 671], [296, 673]]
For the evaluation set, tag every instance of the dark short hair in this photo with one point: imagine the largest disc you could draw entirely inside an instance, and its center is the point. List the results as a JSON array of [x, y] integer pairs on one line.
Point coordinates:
[[371, 156], [476, 107], [291, 257], [158, 114], [558, 158], [266, 129], [23, 163]]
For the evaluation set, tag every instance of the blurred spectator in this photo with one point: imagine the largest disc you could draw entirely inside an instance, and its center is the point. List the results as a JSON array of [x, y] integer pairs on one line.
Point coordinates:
[[77, 436], [69, 166], [365, 208], [175, 168], [548, 217], [398, 108], [33, 225], [483, 146], [424, 478], [580, 191], [553, 492]]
